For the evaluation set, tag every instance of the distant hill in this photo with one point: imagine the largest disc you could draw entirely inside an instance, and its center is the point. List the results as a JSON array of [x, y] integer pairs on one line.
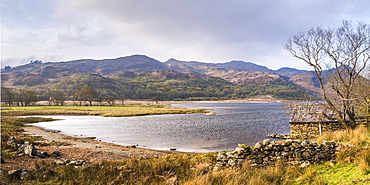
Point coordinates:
[[135, 63], [244, 66], [202, 68], [143, 77], [289, 72], [308, 81]]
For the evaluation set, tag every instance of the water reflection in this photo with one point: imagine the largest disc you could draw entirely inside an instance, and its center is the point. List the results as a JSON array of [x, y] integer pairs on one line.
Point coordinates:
[[234, 123]]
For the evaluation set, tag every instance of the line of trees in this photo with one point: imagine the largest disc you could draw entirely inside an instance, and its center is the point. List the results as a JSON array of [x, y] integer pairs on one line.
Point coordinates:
[[22, 97], [19, 97]]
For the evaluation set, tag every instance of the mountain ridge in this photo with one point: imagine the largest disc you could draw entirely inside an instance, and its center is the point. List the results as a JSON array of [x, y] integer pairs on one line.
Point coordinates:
[[236, 72], [233, 64]]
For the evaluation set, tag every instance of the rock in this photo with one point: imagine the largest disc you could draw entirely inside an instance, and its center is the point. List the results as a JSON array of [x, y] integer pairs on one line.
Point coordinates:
[[239, 150], [332, 162], [243, 146], [232, 162], [42, 154], [46, 173], [21, 148], [220, 154], [26, 174], [61, 161], [266, 142], [56, 154], [20, 174], [305, 143], [305, 164], [30, 150], [292, 151], [12, 141], [14, 173], [2, 172], [296, 145], [288, 142], [258, 145], [86, 165]]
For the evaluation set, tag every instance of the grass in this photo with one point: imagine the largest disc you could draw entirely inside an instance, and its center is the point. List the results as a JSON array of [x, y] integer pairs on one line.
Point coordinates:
[[341, 173], [358, 136], [107, 111], [13, 127], [353, 163]]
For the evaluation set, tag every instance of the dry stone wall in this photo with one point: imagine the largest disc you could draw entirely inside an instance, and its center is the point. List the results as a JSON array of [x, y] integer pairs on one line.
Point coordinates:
[[268, 153], [312, 130]]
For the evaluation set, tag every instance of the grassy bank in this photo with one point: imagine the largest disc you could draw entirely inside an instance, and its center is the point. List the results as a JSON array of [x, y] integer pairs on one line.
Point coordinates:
[[108, 111], [352, 167]]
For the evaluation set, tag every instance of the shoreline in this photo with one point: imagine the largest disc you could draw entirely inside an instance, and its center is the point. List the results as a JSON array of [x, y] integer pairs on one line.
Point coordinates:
[[257, 99], [96, 149]]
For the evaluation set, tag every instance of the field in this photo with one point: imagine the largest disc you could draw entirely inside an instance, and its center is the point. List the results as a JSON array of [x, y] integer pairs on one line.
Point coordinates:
[[107, 111]]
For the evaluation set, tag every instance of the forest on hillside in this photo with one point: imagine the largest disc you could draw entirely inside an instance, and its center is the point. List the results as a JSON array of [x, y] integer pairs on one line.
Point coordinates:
[[164, 85]]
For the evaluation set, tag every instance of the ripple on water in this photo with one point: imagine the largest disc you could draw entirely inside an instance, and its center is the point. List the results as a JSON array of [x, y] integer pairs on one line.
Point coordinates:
[[233, 124]]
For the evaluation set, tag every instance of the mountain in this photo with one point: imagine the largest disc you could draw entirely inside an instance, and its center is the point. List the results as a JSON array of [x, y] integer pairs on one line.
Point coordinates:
[[202, 68], [244, 66], [308, 81], [135, 63], [289, 72], [143, 77]]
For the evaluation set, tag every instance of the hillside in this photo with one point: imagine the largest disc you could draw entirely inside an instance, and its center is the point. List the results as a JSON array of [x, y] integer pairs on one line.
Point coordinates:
[[141, 77], [136, 63]]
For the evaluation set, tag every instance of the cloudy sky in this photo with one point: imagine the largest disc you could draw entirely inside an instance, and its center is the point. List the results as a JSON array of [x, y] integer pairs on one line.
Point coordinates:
[[189, 30]]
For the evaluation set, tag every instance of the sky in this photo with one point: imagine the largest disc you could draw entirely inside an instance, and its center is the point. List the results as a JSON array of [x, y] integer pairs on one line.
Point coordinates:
[[189, 30]]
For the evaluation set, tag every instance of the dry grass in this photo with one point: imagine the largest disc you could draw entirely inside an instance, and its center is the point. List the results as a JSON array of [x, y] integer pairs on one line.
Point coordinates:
[[185, 169], [358, 136], [363, 160]]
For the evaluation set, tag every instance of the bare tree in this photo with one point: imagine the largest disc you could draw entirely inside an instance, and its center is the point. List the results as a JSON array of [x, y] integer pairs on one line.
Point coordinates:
[[339, 57]]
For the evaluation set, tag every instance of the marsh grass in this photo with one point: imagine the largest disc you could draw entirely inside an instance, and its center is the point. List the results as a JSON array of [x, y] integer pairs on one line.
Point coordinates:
[[107, 111]]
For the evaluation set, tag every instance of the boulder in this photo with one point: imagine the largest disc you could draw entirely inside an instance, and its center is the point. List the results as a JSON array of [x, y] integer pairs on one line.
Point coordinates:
[[30, 150]]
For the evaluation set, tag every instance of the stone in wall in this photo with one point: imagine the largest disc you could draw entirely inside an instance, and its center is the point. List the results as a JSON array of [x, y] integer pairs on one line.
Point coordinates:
[[312, 130], [269, 152]]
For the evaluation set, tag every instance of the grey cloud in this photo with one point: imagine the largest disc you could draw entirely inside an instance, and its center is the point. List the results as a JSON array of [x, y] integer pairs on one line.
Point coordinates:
[[206, 30], [228, 21]]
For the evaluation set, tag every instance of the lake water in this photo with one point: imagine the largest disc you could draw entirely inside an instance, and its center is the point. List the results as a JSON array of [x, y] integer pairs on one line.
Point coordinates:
[[233, 124]]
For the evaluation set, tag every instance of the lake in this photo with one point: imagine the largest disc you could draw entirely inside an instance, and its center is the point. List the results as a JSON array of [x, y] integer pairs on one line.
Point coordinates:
[[233, 124]]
